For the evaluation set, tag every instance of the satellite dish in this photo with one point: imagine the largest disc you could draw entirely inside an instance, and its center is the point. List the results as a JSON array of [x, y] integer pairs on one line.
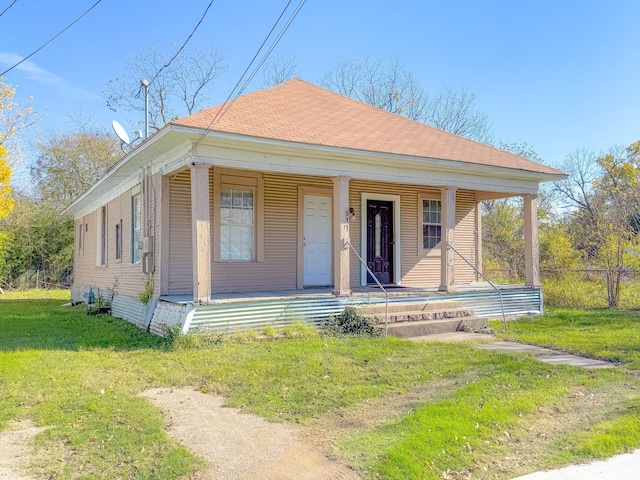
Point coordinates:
[[121, 132]]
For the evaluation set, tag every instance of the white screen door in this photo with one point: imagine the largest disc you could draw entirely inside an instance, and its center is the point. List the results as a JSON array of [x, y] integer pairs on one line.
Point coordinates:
[[317, 241]]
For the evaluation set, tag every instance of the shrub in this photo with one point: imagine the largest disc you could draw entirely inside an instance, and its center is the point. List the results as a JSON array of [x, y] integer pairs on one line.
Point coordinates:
[[351, 322]]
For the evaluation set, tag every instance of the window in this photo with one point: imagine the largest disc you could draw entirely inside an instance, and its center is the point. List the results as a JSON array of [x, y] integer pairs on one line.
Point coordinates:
[[237, 224], [431, 223], [119, 240], [80, 235], [136, 226], [237, 216], [101, 236]]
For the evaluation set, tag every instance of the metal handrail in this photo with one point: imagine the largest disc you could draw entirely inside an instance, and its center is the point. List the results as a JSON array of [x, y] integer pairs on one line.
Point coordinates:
[[504, 318], [386, 294]]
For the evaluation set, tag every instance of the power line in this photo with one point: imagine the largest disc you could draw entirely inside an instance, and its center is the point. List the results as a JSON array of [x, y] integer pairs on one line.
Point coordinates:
[[51, 40], [12, 4], [184, 44], [227, 103]]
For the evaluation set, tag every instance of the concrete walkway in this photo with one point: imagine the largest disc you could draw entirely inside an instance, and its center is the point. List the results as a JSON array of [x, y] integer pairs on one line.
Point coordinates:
[[547, 355], [620, 467]]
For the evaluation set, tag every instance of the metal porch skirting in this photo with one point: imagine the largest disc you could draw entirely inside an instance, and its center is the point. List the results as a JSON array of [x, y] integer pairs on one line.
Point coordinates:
[[280, 312]]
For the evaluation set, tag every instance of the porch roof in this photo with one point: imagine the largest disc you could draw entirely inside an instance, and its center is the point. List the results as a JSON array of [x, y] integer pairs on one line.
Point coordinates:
[[300, 112]]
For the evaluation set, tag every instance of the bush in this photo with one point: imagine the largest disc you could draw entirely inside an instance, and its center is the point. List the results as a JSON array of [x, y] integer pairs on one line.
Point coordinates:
[[351, 322], [574, 291]]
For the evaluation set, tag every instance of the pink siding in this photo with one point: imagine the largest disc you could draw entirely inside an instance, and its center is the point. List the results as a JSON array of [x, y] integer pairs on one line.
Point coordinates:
[[121, 275]]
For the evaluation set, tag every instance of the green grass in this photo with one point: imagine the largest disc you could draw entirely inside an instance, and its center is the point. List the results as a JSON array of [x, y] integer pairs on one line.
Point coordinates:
[[599, 333], [81, 375]]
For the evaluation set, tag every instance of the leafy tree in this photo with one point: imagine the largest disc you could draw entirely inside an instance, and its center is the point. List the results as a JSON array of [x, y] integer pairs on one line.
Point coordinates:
[[178, 86], [35, 241], [69, 163], [6, 202], [13, 120]]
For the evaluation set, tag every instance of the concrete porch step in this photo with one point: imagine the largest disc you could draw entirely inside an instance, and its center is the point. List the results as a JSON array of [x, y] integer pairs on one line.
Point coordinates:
[[431, 327], [379, 308]]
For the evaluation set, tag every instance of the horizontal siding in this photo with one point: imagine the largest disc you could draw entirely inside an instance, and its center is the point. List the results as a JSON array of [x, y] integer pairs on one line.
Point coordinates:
[[279, 268], [119, 275], [180, 244], [417, 270]]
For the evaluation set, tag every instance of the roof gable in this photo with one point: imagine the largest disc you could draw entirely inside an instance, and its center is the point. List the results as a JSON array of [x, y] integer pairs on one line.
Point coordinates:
[[298, 111]]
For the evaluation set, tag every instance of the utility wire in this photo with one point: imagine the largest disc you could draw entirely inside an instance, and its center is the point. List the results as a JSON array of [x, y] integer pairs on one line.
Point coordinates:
[[12, 4], [184, 44], [52, 39], [228, 102]]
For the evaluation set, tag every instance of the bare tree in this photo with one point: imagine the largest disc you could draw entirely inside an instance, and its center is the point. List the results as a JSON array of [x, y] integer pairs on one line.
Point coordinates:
[[455, 111], [178, 86], [577, 189], [391, 87], [279, 69]]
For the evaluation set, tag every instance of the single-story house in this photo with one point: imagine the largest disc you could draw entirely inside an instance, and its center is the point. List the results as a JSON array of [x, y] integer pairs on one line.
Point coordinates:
[[292, 202]]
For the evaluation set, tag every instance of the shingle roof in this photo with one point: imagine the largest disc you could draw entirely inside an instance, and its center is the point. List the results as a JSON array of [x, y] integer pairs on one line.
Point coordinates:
[[298, 111]]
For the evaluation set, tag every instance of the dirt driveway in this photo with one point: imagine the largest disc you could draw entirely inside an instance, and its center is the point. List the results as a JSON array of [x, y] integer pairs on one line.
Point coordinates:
[[241, 446]]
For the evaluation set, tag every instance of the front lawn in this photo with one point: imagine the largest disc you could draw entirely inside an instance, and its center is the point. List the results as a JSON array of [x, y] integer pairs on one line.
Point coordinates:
[[597, 333], [419, 410]]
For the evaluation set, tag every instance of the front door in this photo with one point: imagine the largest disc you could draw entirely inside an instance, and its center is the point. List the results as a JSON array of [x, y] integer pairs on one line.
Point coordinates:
[[317, 261], [380, 240]]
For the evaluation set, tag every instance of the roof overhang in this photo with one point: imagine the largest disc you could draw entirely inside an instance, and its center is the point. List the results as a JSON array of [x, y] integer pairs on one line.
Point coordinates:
[[175, 146]]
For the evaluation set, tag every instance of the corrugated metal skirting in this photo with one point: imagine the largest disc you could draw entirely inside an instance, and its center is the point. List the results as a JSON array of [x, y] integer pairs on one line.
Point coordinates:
[[286, 311]]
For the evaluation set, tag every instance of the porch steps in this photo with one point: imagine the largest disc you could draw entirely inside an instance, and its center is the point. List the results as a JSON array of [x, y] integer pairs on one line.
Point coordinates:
[[415, 319]]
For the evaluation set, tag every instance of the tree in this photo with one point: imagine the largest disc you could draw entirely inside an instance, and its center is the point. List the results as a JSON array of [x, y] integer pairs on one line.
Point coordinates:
[[13, 120], [393, 88], [69, 163], [6, 202], [35, 242], [455, 111], [389, 87], [177, 86], [279, 69]]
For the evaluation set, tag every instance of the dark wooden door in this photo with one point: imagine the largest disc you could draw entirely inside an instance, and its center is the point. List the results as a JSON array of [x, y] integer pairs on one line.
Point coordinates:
[[380, 240]]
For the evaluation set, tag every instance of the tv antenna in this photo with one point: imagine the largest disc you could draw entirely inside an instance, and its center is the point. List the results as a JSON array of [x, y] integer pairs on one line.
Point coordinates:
[[121, 133]]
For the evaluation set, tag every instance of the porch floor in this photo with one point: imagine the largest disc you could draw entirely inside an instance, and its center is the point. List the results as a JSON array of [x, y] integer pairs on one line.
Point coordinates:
[[394, 291]]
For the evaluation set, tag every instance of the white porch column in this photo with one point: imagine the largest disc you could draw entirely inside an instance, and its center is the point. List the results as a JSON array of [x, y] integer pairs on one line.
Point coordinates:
[[531, 247], [448, 236], [341, 274], [201, 232]]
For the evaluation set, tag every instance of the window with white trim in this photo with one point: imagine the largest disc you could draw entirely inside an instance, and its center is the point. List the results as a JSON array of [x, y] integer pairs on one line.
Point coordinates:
[[238, 231], [431, 223], [237, 225], [136, 226]]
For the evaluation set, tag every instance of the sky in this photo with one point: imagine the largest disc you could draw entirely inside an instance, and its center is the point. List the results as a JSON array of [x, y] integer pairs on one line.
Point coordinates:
[[559, 75]]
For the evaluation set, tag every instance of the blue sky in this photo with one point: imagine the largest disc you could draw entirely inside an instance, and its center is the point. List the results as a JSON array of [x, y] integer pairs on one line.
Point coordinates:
[[558, 75]]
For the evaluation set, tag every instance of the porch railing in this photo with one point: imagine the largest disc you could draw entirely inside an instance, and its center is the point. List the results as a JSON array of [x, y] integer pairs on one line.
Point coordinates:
[[504, 317], [386, 294]]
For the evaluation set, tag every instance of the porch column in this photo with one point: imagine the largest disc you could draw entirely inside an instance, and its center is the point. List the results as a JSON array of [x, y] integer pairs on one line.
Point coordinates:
[[448, 236], [531, 248], [341, 274], [201, 232], [163, 255], [479, 241]]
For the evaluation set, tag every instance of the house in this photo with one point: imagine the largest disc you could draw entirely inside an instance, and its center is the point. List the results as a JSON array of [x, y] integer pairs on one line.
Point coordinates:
[[266, 203]]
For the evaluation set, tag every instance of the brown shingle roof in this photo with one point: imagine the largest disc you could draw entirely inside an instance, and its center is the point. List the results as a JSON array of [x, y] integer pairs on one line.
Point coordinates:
[[298, 111]]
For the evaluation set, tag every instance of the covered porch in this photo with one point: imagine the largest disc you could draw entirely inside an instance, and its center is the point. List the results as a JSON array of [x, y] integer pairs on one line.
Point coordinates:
[[422, 238]]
